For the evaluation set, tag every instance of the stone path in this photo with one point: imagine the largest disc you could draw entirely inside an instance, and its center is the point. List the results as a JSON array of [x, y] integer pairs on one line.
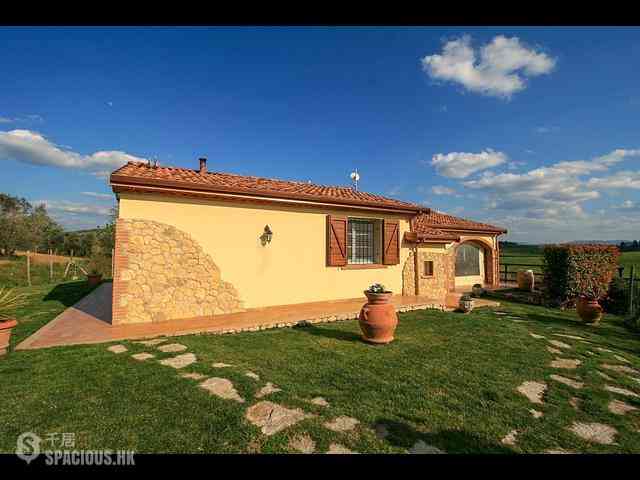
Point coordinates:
[[180, 361], [342, 424], [302, 443], [620, 408], [221, 387], [534, 391], [594, 432], [193, 376], [621, 359], [117, 348], [535, 413], [567, 381], [567, 363], [221, 365], [559, 344], [575, 403], [555, 351], [620, 368], [336, 448], [142, 356], [510, 438], [621, 391], [536, 336], [255, 376], [272, 418], [319, 401], [268, 389], [172, 348]]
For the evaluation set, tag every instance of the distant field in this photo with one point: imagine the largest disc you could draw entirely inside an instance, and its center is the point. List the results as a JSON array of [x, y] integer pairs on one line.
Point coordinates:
[[520, 257]]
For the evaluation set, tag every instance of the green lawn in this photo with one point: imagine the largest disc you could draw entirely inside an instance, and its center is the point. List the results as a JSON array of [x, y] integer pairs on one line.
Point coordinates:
[[449, 379]]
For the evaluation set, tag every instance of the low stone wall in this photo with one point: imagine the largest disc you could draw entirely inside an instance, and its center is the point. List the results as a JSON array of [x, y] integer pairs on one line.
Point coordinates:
[[161, 273]]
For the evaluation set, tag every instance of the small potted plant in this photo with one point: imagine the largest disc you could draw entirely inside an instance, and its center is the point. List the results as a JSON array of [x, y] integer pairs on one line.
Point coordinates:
[[588, 306], [465, 304], [94, 275], [378, 319], [9, 301], [477, 290]]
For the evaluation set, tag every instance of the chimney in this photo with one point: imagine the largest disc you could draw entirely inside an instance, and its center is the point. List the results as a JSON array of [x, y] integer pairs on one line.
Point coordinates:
[[203, 165]]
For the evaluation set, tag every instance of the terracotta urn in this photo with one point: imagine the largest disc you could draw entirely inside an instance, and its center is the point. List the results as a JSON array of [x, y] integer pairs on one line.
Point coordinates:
[[526, 280], [378, 318], [5, 335], [94, 279], [465, 304], [589, 310]]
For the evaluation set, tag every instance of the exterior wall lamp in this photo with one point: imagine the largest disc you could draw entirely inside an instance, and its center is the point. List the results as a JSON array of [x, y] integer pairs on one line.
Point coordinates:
[[266, 235]]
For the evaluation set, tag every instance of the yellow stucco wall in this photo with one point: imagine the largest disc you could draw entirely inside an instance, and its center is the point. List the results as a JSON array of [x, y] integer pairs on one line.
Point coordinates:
[[291, 269]]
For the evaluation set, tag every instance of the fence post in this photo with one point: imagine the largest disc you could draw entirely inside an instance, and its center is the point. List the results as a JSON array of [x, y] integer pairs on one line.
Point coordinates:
[[28, 268], [631, 289], [50, 266]]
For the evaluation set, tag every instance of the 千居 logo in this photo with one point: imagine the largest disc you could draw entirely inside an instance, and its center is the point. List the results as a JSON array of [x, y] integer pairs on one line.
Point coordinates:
[[28, 446]]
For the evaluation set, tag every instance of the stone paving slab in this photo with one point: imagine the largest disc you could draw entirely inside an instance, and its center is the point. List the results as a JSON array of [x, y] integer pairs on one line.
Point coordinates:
[[117, 349], [172, 348], [180, 361], [141, 357], [221, 387], [272, 418]]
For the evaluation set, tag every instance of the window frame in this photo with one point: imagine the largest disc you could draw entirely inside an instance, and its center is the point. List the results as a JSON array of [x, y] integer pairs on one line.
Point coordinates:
[[424, 270], [353, 261]]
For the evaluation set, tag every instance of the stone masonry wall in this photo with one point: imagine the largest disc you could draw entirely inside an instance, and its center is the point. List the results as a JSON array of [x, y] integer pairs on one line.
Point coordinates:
[[435, 287], [161, 273]]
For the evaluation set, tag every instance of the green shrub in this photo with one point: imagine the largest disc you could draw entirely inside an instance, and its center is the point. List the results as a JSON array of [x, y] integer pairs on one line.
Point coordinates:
[[573, 271], [617, 299]]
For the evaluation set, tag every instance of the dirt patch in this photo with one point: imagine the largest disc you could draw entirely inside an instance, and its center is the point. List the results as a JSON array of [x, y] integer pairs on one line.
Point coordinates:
[[221, 387], [594, 432], [567, 381], [620, 408], [302, 443], [272, 418], [568, 363], [534, 391]]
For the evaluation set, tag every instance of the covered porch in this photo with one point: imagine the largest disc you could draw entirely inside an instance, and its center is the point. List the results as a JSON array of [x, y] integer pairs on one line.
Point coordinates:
[[89, 320]]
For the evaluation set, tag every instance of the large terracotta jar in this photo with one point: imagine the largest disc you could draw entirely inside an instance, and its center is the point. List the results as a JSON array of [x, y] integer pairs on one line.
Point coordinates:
[[5, 335], [589, 310], [526, 280], [378, 318], [94, 279]]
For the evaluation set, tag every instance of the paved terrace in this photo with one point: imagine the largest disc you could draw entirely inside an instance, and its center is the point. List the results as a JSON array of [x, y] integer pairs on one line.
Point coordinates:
[[89, 320]]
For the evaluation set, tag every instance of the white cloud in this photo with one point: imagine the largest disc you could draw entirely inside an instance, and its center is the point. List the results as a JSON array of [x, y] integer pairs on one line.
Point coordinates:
[[554, 192], [74, 208], [501, 71], [462, 164], [441, 190], [31, 147], [108, 196], [627, 204], [625, 179]]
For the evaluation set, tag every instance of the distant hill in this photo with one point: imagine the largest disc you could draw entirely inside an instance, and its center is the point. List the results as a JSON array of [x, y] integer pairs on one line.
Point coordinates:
[[606, 242]]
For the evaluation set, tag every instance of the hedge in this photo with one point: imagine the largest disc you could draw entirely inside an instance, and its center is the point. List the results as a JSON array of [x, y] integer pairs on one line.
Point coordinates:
[[573, 271]]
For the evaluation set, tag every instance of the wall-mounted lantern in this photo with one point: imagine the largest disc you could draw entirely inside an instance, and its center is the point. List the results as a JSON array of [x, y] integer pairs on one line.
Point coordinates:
[[266, 235]]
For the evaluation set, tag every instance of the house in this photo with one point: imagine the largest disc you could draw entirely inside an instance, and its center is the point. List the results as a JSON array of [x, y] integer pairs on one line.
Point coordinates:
[[195, 243]]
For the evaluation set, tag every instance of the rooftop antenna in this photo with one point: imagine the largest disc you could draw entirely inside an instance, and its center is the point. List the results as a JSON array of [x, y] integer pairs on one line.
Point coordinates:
[[355, 176]]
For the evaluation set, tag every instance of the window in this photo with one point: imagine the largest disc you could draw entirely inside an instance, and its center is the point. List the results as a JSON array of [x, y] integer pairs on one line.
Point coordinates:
[[467, 260], [428, 268], [363, 241]]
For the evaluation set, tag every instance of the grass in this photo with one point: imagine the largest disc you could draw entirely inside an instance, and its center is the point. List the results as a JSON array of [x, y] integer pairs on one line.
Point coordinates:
[[449, 380], [13, 272]]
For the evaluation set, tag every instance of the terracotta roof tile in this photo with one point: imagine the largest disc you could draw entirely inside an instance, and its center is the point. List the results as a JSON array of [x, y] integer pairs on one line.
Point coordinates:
[[138, 173], [425, 223]]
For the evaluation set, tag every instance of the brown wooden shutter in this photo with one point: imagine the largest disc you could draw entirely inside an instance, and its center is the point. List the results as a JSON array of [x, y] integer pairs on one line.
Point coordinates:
[[336, 241], [391, 242]]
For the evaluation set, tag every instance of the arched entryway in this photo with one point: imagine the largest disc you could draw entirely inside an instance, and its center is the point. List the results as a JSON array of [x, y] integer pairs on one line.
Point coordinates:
[[474, 263]]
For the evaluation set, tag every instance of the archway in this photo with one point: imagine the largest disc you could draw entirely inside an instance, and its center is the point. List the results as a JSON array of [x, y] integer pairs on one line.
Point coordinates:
[[474, 262]]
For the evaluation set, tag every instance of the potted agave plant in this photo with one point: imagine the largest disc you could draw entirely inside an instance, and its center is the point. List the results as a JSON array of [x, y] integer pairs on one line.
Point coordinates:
[[9, 301], [378, 319], [94, 275], [466, 304]]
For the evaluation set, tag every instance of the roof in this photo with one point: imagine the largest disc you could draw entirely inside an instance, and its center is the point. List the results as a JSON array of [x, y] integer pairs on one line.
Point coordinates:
[[142, 174], [433, 223]]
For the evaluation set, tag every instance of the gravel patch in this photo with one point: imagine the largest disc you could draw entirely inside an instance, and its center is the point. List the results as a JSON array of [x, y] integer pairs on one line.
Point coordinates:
[[567, 381], [534, 391], [117, 349], [272, 418], [342, 424], [568, 363], [221, 387], [594, 432]]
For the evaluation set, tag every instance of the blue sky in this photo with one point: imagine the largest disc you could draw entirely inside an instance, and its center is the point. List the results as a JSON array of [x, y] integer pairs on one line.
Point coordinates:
[[536, 129]]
